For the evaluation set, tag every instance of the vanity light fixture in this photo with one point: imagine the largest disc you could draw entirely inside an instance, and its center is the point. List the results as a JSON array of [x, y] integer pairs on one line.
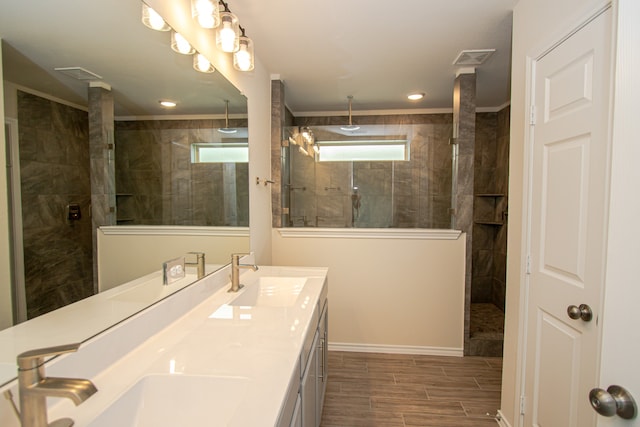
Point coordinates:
[[206, 12], [202, 64], [180, 44], [415, 96], [167, 103], [153, 20], [227, 33], [351, 126], [243, 59], [226, 129]]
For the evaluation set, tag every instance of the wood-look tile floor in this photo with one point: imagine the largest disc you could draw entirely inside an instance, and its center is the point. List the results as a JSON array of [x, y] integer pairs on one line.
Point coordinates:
[[393, 390]]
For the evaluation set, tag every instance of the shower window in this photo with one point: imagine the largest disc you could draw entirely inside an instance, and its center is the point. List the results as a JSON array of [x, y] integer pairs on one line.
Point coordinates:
[[379, 176], [218, 152]]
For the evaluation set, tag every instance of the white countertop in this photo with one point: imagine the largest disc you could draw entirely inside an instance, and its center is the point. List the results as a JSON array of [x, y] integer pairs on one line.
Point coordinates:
[[84, 319], [261, 345]]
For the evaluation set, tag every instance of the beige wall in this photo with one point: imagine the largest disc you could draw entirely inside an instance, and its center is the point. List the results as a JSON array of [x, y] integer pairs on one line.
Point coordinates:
[[537, 25], [122, 258], [403, 293]]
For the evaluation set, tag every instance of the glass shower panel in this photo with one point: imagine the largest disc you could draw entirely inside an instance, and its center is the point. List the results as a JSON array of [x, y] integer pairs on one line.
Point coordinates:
[[411, 193]]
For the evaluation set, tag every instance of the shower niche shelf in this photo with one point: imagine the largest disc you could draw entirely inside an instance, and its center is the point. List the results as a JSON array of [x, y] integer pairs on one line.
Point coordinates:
[[490, 208], [123, 208]]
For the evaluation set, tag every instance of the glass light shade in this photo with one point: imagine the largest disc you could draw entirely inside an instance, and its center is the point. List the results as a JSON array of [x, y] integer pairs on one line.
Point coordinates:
[[243, 58], [228, 33], [206, 12], [202, 64], [153, 20], [180, 44]]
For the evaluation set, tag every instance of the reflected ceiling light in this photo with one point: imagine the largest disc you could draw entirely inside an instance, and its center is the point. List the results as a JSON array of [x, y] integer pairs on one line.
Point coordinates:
[[227, 33], [226, 128], [180, 44], [202, 64], [153, 20], [351, 126], [243, 59], [167, 103], [206, 12], [415, 96]]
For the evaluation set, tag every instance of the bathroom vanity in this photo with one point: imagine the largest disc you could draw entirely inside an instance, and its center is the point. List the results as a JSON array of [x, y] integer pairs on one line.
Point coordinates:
[[208, 357]]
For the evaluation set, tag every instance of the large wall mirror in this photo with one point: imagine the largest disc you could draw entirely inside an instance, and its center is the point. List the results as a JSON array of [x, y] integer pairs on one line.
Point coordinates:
[[171, 167]]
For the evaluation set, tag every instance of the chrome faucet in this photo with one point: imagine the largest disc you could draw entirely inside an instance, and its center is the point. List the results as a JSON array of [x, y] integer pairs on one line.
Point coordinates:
[[199, 263], [235, 271], [34, 387]]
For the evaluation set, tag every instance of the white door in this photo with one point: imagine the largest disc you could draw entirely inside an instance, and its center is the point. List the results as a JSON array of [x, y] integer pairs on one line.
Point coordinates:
[[568, 212], [621, 325]]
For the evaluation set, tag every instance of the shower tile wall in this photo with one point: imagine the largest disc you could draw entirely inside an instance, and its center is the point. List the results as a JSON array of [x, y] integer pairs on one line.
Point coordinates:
[[54, 172], [490, 206], [156, 183], [414, 193]]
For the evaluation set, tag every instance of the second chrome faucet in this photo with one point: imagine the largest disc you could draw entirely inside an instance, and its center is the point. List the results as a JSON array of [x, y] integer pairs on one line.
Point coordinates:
[[235, 271]]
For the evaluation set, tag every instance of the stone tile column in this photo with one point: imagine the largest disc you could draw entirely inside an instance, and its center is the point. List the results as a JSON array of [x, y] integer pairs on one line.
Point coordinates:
[[279, 168], [102, 163], [464, 131]]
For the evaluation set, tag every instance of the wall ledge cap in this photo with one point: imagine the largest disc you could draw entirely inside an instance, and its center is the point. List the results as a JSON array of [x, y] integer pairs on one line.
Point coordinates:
[[173, 230], [371, 233]]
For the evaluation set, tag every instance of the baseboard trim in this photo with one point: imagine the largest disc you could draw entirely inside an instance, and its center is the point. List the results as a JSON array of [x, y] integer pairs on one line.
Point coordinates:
[[502, 422], [396, 349]]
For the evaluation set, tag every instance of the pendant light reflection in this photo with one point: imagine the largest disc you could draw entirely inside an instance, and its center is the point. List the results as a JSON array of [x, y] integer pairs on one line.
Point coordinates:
[[206, 13], [180, 44], [202, 64], [227, 33], [153, 20], [243, 58], [351, 127], [226, 129], [304, 138]]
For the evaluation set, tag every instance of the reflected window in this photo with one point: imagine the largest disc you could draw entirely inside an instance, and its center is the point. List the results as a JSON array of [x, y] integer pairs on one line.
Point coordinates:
[[363, 151], [218, 152]]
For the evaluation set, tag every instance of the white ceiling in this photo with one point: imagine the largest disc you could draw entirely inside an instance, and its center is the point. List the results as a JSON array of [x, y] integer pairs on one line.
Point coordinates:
[[378, 51], [323, 51], [107, 38]]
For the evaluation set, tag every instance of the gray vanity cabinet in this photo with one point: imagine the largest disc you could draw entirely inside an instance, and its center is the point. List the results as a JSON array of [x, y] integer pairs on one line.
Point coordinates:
[[305, 399]]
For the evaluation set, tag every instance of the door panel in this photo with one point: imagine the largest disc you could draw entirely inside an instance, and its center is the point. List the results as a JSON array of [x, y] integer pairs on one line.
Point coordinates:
[[569, 195]]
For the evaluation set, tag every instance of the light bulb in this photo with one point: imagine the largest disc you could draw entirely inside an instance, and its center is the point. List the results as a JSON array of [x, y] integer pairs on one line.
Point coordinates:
[[206, 12], [227, 38], [227, 34], [202, 64], [180, 44], [153, 20], [243, 59]]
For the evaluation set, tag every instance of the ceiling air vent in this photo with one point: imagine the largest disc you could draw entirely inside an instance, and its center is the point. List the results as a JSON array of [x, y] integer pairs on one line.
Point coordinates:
[[473, 57], [78, 73]]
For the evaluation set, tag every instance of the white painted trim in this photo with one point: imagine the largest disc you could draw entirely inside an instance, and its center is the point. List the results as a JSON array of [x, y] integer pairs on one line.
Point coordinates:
[[396, 112], [493, 109], [396, 349], [502, 422], [371, 233], [50, 97], [173, 230], [181, 117]]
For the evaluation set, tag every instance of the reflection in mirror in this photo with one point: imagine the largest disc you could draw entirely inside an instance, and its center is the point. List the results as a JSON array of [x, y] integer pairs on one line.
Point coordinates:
[[52, 170]]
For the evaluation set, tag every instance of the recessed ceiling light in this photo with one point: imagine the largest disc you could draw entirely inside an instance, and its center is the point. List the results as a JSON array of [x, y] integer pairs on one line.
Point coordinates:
[[415, 96], [168, 104]]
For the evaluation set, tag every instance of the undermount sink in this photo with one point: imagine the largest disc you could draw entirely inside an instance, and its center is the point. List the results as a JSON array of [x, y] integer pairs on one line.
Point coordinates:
[[176, 400], [271, 292]]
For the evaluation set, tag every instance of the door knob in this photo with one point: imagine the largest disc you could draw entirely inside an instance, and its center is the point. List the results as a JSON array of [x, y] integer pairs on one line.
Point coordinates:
[[582, 312], [615, 400]]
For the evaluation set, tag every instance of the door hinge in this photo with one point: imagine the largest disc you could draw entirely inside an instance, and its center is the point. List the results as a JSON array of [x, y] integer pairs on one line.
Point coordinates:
[[523, 404], [532, 115], [527, 268]]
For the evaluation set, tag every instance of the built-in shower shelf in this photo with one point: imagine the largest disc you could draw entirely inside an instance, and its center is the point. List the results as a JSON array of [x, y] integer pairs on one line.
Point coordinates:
[[490, 195]]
